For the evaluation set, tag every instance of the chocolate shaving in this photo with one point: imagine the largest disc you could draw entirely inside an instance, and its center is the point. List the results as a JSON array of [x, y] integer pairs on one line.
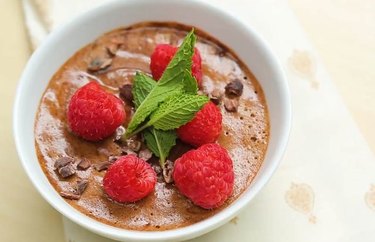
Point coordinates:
[[157, 169], [215, 96], [221, 52], [81, 186], [102, 165], [63, 161], [127, 151], [84, 164], [112, 158], [231, 105], [133, 144], [167, 171], [106, 63], [126, 93], [120, 131], [112, 49], [67, 170], [145, 154], [234, 88], [215, 101], [70, 195], [99, 64]]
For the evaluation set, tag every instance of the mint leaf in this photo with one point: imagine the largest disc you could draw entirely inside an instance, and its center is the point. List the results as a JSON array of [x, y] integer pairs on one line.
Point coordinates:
[[157, 95], [142, 85], [190, 83], [160, 142], [176, 111], [182, 60], [173, 81]]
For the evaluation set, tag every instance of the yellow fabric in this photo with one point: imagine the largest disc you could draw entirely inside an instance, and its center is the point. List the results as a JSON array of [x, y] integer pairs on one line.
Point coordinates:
[[324, 188]]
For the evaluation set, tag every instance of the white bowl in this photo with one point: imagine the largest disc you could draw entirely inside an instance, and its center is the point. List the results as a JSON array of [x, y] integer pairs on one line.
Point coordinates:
[[65, 41]]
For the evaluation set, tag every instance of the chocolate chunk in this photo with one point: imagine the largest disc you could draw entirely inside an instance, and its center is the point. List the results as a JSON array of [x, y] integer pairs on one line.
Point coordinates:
[[63, 161], [106, 62], [102, 165], [67, 170], [215, 96], [220, 52], [70, 195], [112, 49], [231, 105], [145, 154], [112, 158], [215, 101], [157, 169], [81, 186], [126, 93], [133, 144], [95, 65], [120, 131], [127, 151], [84, 164], [167, 171], [234, 88], [99, 64], [65, 167]]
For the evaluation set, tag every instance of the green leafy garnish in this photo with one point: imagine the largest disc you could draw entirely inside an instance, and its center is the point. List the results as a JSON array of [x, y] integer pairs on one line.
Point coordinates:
[[163, 106], [189, 82], [176, 111], [173, 81], [142, 86], [157, 95], [160, 142]]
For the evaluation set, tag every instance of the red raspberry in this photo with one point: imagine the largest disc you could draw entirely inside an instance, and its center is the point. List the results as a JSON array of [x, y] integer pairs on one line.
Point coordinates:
[[204, 128], [129, 179], [205, 175], [93, 113], [164, 53]]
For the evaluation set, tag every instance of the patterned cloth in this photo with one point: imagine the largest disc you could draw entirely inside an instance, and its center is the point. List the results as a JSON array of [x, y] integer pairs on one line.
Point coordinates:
[[324, 189]]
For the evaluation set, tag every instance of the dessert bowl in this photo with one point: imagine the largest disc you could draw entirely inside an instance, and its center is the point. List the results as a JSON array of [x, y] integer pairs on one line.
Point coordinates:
[[65, 41]]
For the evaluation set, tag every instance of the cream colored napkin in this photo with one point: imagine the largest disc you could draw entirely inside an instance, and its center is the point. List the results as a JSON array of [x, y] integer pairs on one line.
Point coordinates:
[[324, 189]]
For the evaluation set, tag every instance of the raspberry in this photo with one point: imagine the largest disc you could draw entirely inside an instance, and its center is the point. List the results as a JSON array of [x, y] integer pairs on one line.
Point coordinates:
[[204, 128], [164, 53], [205, 175], [93, 113], [129, 179]]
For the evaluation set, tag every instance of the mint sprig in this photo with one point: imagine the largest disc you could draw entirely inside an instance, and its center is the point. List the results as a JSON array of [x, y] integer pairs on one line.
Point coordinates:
[[158, 141], [176, 111], [163, 106], [173, 81]]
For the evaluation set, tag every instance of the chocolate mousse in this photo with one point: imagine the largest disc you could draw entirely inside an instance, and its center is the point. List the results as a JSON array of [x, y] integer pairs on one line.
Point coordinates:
[[75, 167]]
